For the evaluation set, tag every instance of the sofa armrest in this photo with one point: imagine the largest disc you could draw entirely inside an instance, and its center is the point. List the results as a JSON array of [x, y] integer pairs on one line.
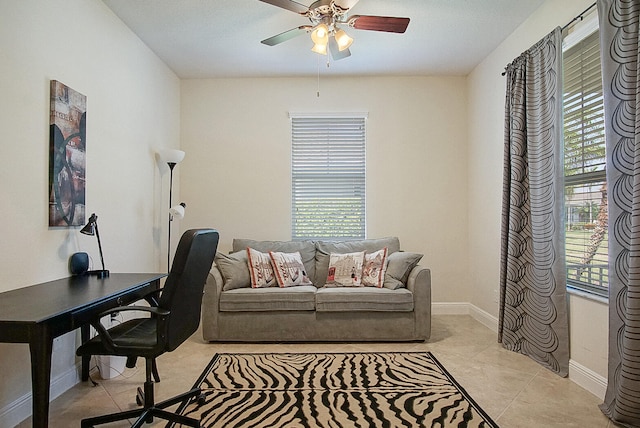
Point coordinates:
[[211, 305], [419, 283]]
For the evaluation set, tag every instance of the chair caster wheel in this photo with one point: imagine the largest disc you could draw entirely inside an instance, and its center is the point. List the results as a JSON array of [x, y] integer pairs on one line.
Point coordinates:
[[201, 400]]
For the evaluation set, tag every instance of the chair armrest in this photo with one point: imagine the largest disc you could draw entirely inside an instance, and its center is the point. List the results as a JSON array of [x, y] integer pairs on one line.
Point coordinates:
[[211, 305], [103, 333], [419, 283]]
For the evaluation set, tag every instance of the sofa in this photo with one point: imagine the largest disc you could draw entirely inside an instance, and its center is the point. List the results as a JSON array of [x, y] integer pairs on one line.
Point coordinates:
[[396, 308]]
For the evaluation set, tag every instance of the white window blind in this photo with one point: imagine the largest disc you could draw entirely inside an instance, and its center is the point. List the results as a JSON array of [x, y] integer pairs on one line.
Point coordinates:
[[586, 216], [328, 176], [583, 108]]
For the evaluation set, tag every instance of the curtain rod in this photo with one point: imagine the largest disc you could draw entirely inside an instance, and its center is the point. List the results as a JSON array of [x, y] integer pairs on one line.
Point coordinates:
[[580, 17]]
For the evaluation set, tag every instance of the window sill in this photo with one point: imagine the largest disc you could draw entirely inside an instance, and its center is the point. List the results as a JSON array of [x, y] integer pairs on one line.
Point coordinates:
[[587, 295]]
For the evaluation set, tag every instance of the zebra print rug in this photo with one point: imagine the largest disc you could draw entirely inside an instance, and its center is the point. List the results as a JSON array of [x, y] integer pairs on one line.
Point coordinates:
[[398, 389]]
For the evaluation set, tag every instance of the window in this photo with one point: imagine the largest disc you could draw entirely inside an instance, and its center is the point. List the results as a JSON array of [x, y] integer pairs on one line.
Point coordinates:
[[328, 176], [586, 216]]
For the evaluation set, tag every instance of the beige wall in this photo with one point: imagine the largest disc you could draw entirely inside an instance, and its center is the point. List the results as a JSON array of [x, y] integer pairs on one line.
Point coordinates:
[[434, 161], [236, 174], [486, 89], [133, 103]]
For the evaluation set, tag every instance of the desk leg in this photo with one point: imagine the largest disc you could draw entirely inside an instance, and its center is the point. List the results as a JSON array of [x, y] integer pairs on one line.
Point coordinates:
[[41, 347], [86, 360]]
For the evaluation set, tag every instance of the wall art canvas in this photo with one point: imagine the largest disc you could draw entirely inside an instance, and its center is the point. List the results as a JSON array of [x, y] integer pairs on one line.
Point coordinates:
[[67, 143]]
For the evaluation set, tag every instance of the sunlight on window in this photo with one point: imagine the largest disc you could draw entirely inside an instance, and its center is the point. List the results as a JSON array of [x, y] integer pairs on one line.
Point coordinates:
[[585, 198]]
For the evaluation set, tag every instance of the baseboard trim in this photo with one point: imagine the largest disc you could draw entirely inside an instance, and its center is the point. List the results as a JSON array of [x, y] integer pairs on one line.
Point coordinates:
[[450, 308], [462, 308], [484, 317], [579, 374], [588, 379], [19, 410]]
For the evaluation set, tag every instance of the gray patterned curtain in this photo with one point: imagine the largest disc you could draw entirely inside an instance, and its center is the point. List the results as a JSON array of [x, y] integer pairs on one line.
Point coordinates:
[[533, 302], [620, 57]]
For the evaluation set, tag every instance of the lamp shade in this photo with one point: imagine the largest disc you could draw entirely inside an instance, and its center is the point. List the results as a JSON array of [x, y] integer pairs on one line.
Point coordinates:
[[177, 211], [319, 49], [90, 227], [320, 35], [172, 156], [343, 39]]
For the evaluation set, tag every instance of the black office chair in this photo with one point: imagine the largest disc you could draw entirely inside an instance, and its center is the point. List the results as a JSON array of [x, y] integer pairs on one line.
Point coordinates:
[[172, 321]]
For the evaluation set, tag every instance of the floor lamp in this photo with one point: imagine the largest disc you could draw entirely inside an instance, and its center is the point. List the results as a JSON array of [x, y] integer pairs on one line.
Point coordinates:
[[172, 157]]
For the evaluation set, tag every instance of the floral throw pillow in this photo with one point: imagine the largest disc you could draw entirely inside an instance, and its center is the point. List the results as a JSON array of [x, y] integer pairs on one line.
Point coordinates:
[[374, 268], [345, 270], [260, 269], [289, 269]]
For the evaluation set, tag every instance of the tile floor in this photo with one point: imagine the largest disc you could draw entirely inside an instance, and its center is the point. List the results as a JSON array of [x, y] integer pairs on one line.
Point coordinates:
[[512, 389]]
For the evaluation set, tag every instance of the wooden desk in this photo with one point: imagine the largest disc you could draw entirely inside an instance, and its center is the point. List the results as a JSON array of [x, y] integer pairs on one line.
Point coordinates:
[[39, 313]]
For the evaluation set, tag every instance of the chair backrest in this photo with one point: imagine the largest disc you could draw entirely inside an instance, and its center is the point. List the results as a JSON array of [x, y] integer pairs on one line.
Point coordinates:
[[183, 289]]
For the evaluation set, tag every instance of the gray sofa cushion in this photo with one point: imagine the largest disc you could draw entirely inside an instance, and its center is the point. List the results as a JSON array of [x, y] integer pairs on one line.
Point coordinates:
[[325, 248], [299, 298], [234, 270], [307, 250], [358, 299], [399, 266]]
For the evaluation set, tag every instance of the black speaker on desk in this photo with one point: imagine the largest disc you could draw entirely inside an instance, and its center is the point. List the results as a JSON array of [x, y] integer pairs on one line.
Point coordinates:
[[79, 263]]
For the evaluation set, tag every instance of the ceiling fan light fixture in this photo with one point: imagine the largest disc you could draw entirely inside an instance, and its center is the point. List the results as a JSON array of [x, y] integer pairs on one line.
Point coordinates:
[[319, 48], [343, 39], [320, 35]]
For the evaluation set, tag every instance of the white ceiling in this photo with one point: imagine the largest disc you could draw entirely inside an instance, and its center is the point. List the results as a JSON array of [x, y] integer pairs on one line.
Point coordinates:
[[221, 38]]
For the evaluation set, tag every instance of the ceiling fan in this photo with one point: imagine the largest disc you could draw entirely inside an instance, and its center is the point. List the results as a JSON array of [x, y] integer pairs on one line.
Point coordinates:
[[326, 17]]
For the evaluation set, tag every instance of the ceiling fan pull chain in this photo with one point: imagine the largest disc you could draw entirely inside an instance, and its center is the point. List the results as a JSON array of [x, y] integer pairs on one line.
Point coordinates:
[[318, 93]]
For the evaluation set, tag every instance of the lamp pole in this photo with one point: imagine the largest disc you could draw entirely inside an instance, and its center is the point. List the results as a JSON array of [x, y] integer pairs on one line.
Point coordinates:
[[104, 273], [171, 166], [172, 158]]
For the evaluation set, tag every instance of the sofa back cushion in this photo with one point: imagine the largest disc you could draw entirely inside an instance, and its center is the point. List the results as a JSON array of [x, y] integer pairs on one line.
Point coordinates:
[[325, 248], [307, 250]]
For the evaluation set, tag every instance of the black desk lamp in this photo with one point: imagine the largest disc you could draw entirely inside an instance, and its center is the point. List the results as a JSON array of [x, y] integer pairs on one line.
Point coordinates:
[[92, 229]]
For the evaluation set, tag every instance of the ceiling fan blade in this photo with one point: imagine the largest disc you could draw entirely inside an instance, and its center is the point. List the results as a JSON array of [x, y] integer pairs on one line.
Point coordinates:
[[379, 23], [289, 5], [345, 4], [336, 53], [287, 35]]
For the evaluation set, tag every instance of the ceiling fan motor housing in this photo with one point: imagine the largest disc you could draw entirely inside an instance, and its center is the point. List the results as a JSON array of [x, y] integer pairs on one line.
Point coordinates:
[[327, 12]]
